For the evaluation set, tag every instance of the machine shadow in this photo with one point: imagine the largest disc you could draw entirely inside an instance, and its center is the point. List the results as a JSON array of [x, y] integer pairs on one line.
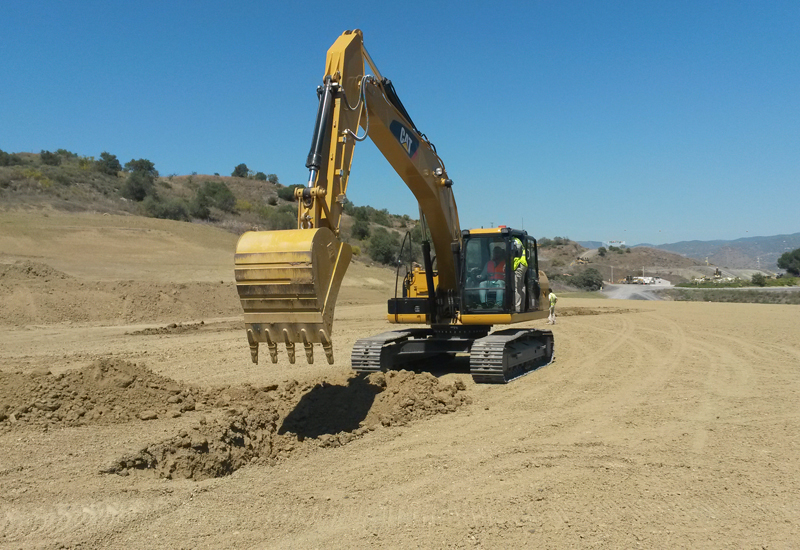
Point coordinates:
[[330, 409]]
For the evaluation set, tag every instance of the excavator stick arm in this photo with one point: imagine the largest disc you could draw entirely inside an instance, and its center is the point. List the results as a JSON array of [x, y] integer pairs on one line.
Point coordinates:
[[288, 281]]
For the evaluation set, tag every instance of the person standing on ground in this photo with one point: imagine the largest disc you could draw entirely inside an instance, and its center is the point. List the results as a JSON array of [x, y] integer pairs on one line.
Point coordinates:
[[551, 320]]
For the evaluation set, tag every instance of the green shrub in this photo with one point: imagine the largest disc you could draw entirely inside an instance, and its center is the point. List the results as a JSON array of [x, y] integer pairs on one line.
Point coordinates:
[[108, 164], [199, 209], [216, 194], [143, 166], [283, 220], [363, 213], [287, 193], [240, 171], [384, 246], [261, 176], [588, 279], [381, 217], [50, 159], [138, 186], [790, 261], [758, 279], [272, 201], [272, 178], [288, 209], [360, 230], [278, 218], [170, 209], [85, 163], [356, 250], [66, 154]]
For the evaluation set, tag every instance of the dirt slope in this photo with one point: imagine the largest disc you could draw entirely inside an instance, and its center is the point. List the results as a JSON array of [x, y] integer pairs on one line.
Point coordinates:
[[659, 425]]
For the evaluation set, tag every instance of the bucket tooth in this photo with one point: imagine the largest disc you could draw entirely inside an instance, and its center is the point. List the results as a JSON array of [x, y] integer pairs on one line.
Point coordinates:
[[272, 346], [254, 352], [273, 351], [327, 345], [251, 339], [289, 345], [309, 347]]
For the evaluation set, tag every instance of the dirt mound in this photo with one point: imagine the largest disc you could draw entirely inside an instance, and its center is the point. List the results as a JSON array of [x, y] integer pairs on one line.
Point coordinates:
[[408, 396], [209, 449], [28, 270], [270, 424], [172, 328], [107, 392]]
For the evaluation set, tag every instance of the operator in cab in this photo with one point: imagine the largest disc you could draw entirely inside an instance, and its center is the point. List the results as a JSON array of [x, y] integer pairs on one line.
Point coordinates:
[[494, 277]]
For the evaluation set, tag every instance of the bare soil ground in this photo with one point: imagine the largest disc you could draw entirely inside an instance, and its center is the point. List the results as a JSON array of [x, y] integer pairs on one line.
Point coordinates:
[[132, 417]]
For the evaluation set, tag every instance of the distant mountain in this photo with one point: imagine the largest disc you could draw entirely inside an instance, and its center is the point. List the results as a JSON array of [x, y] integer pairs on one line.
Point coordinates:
[[745, 253]]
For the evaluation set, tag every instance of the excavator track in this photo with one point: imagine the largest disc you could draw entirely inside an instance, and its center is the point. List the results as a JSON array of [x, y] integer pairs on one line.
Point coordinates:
[[495, 358], [508, 354], [373, 354]]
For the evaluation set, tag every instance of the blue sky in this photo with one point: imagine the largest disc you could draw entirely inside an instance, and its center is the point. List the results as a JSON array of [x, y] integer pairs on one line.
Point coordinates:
[[643, 121]]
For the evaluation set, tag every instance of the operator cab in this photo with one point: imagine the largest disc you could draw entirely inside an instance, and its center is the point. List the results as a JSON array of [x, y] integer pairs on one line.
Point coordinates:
[[486, 293], [487, 271]]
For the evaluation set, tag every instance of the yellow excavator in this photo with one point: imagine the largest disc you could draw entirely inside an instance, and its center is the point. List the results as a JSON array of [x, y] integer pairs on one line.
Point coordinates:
[[288, 281]]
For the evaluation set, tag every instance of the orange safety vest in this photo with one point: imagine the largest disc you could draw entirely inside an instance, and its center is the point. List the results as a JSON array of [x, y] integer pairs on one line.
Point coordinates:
[[497, 272]]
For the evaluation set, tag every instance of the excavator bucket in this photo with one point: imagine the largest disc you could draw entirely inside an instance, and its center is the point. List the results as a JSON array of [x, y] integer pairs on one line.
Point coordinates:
[[288, 282]]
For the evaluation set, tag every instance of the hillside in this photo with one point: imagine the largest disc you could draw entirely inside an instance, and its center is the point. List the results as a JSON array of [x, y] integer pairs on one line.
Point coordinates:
[[562, 258], [749, 253], [69, 182], [746, 253]]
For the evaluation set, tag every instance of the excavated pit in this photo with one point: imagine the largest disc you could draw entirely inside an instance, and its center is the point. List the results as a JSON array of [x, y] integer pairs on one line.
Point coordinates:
[[234, 425], [272, 424]]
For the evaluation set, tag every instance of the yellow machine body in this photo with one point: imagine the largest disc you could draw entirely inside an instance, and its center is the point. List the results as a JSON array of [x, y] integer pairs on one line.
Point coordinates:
[[288, 281]]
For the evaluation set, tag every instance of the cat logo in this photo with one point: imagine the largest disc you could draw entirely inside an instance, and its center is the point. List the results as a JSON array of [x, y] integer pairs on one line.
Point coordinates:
[[405, 137]]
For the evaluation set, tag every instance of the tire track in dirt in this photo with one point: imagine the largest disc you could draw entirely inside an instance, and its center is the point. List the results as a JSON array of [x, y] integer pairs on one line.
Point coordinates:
[[629, 347], [631, 393], [72, 519]]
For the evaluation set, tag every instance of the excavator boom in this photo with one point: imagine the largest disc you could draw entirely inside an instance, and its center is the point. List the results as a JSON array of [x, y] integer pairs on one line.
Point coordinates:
[[288, 281]]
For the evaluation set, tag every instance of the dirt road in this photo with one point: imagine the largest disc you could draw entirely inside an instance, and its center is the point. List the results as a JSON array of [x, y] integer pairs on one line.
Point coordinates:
[[660, 424], [633, 292]]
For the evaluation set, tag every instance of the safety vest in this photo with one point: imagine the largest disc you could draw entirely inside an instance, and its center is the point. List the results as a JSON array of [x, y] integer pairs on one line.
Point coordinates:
[[521, 258], [496, 271]]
